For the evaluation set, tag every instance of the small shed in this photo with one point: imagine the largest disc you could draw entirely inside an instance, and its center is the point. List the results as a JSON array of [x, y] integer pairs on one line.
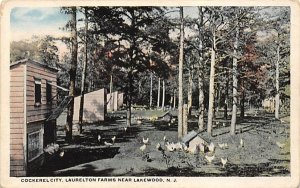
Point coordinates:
[[112, 101], [193, 138], [94, 108], [33, 92]]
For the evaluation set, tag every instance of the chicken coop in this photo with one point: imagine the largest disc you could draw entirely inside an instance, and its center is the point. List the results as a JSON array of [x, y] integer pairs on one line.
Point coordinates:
[[114, 101], [94, 108], [32, 100], [193, 138]]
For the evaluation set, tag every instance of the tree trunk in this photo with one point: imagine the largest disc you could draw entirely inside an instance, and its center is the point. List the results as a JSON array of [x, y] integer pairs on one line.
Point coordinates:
[[111, 96], [185, 119], [72, 73], [200, 73], [83, 72], [163, 96], [180, 90], [277, 96], [211, 87], [129, 99], [226, 99], [242, 103], [151, 82], [234, 84], [190, 92], [158, 94], [174, 99]]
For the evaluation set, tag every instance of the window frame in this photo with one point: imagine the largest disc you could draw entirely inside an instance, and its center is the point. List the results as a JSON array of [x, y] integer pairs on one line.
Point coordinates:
[[37, 101], [48, 92]]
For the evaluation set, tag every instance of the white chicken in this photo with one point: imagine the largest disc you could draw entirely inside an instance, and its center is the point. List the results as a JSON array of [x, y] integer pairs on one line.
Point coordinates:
[[143, 148], [62, 153], [241, 143], [211, 147], [170, 147], [108, 144], [125, 129], [222, 146], [224, 161], [165, 138], [280, 145], [99, 137], [209, 158], [113, 139], [224, 124], [139, 122], [145, 141]]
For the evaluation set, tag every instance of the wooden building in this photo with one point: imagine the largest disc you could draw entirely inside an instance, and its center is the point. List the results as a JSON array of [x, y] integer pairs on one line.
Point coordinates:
[[32, 100], [94, 108], [115, 101]]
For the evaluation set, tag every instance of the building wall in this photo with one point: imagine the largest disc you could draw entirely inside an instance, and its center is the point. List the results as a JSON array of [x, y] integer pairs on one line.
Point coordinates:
[[120, 100], [38, 113], [94, 106], [17, 119]]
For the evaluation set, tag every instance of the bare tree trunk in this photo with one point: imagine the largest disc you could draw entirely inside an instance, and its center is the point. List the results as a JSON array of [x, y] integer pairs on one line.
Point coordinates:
[[185, 119], [190, 92], [226, 99], [200, 73], [242, 102], [158, 94], [211, 86], [180, 90], [72, 74], [277, 96], [83, 72], [129, 99], [163, 96], [111, 99], [234, 84], [174, 99], [151, 82]]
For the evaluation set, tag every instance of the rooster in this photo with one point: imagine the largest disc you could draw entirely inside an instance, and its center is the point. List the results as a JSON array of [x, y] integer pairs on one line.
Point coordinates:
[[170, 147], [158, 147], [241, 143], [108, 144], [224, 161], [222, 146], [61, 154], [209, 158], [280, 145], [113, 139], [211, 147], [143, 148], [145, 141]]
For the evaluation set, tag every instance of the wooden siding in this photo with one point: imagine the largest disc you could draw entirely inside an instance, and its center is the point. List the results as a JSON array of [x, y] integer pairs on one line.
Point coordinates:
[[17, 158], [38, 113]]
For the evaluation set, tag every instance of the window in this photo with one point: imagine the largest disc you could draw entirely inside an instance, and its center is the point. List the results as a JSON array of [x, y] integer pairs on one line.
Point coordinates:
[[35, 144], [48, 92], [37, 92]]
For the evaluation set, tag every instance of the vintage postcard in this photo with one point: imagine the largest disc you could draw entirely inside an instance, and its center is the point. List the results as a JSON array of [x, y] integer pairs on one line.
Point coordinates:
[[160, 93]]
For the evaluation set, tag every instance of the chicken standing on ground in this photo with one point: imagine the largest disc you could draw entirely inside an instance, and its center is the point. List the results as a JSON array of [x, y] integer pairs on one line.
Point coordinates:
[[145, 141], [165, 139], [241, 143], [99, 137], [169, 147], [211, 147], [143, 148], [224, 161], [62, 153], [125, 129], [280, 145], [113, 139], [209, 158], [108, 144]]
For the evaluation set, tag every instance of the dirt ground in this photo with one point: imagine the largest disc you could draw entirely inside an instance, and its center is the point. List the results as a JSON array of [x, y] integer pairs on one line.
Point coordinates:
[[86, 156]]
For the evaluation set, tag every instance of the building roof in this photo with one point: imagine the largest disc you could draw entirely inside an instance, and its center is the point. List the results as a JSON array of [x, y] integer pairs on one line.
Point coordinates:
[[24, 61], [188, 137]]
